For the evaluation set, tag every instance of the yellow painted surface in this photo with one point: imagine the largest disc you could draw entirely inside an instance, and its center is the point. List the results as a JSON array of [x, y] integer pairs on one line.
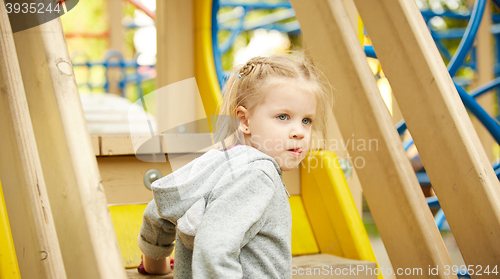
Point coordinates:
[[127, 220], [336, 223], [303, 241], [9, 268], [361, 33], [206, 76]]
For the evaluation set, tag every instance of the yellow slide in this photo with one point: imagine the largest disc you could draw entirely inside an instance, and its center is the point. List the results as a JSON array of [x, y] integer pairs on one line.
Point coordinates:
[[8, 261]]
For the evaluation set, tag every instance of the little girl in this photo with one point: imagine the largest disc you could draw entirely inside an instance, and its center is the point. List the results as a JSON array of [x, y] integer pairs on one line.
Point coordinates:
[[228, 210]]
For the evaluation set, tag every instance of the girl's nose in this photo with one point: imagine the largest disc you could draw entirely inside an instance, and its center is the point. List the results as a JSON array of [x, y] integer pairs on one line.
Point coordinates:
[[297, 132]]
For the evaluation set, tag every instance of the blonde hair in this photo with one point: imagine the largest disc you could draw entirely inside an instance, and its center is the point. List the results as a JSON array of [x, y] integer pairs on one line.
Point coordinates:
[[244, 88]]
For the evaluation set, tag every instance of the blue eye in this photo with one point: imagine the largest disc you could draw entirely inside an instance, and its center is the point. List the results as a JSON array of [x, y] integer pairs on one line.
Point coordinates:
[[282, 117], [306, 121]]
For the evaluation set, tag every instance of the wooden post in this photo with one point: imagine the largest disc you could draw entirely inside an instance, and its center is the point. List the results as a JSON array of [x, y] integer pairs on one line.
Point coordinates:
[[83, 223], [389, 183], [23, 182], [333, 129], [175, 62], [484, 64], [115, 15], [454, 159]]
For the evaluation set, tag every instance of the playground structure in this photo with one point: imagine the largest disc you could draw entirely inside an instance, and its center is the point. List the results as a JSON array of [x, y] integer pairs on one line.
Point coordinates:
[[456, 164]]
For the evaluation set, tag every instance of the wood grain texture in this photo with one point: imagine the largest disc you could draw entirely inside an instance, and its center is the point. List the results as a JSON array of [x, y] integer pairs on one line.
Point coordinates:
[[389, 183], [23, 182], [457, 165], [123, 177], [80, 211]]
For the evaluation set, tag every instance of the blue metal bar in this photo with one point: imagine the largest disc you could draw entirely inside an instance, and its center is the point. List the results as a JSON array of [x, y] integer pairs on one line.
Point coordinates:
[[133, 25], [497, 172], [370, 51], [225, 46], [495, 18], [489, 123], [448, 14], [455, 33], [256, 5], [227, 16], [401, 127], [497, 3], [423, 178], [468, 39], [444, 51], [114, 55], [407, 143], [439, 218], [462, 81], [480, 90], [215, 44], [289, 27], [433, 202], [269, 19]]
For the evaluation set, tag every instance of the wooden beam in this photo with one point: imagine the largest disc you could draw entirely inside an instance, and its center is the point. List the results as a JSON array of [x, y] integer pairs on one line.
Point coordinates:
[[389, 183], [176, 103], [484, 73], [23, 182], [123, 177], [454, 159], [114, 10], [81, 215]]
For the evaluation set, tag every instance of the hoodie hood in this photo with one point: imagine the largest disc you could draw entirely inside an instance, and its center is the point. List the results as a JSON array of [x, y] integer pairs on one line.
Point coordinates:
[[181, 196]]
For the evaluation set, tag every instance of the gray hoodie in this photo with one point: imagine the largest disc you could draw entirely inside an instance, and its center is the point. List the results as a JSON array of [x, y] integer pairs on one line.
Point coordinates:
[[229, 214]]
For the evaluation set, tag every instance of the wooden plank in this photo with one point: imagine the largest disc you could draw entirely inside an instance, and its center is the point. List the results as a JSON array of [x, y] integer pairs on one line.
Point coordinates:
[[337, 144], [454, 159], [81, 215], [96, 145], [187, 143], [130, 145], [291, 179], [123, 176], [176, 103], [389, 183], [23, 183], [484, 73], [314, 266], [133, 274], [179, 144], [114, 10]]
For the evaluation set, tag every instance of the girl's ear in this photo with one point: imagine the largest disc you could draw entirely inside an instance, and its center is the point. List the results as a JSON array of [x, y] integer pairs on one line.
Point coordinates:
[[243, 115]]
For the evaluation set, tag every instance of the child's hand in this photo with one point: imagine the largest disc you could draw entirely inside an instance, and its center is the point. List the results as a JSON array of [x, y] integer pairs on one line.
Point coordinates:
[[159, 267]]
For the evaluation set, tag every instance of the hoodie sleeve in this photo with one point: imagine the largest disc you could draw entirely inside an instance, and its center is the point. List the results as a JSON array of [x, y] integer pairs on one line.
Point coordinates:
[[228, 220], [156, 235]]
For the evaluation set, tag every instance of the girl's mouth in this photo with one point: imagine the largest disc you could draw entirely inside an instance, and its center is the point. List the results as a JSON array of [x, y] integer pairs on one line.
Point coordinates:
[[295, 152]]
